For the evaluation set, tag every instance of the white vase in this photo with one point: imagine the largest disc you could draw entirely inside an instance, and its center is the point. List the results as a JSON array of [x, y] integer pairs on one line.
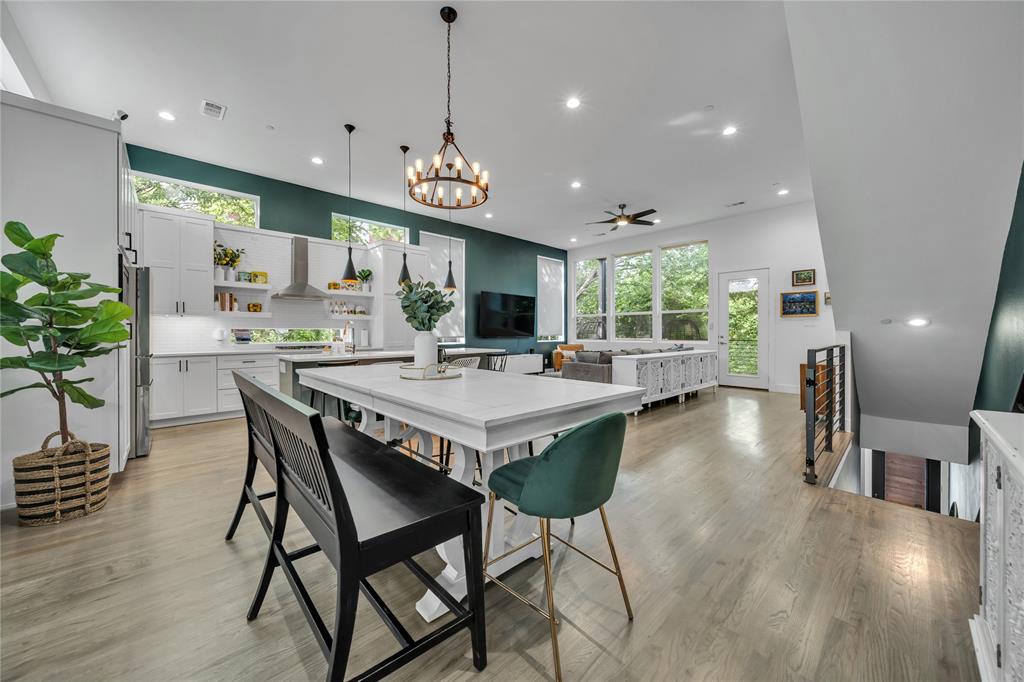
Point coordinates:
[[230, 274], [218, 274], [425, 351]]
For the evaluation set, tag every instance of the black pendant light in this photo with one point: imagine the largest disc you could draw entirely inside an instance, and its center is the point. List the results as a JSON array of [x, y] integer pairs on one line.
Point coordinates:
[[449, 281], [404, 275], [349, 277]]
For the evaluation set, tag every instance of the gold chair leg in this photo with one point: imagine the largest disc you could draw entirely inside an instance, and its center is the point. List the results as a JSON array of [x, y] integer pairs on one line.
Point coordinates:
[[549, 587], [615, 562]]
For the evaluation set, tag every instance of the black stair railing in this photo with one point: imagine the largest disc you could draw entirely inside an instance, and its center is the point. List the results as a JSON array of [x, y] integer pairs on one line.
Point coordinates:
[[824, 402]]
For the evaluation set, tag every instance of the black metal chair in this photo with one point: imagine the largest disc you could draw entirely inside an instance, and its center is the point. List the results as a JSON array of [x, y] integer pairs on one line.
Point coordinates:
[[260, 451], [389, 508]]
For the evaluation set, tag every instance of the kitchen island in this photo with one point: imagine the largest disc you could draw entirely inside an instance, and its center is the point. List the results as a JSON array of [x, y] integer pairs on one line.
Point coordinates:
[[289, 363]]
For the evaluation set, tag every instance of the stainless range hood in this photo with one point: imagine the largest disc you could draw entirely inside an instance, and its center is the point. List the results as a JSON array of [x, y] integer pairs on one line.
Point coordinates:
[[299, 289]]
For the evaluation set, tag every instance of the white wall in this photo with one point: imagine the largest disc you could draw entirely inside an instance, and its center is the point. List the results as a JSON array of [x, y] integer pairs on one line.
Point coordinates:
[[780, 239], [44, 156], [912, 121]]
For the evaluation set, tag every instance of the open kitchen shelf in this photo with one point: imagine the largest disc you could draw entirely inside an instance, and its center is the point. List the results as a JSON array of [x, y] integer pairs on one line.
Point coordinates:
[[240, 313], [241, 285]]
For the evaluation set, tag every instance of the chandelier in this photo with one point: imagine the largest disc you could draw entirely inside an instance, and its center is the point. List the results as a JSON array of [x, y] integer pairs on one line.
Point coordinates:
[[451, 181]]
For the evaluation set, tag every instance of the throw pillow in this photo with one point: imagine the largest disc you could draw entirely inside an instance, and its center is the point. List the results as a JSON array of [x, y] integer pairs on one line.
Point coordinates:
[[589, 356], [568, 355]]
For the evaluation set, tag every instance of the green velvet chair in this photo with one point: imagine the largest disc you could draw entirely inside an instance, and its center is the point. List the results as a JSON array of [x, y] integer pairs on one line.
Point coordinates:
[[573, 476]]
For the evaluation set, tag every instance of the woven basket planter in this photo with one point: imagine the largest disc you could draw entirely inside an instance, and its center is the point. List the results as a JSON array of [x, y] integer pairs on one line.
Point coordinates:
[[62, 483]]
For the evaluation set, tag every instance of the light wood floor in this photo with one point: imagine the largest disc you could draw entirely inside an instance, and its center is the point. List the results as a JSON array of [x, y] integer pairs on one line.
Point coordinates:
[[737, 571]]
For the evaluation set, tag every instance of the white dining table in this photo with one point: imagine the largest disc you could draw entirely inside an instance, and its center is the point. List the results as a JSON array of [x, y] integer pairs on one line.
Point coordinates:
[[493, 413]]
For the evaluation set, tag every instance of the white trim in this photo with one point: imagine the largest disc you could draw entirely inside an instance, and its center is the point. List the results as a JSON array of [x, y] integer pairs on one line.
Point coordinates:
[[208, 188]]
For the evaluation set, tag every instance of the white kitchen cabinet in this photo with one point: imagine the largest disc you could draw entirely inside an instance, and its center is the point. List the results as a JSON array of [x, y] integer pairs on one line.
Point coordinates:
[[166, 394], [200, 387], [395, 331], [261, 367], [183, 387], [178, 250]]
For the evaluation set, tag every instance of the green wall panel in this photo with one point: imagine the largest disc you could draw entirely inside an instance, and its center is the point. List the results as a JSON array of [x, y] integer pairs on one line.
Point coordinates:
[[1003, 366], [494, 262]]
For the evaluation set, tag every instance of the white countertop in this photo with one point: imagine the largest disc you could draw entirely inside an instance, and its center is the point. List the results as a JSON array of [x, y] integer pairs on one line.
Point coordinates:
[[480, 398], [236, 349], [379, 354]]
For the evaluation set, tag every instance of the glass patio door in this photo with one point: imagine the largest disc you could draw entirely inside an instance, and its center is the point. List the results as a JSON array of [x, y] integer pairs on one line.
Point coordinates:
[[743, 314]]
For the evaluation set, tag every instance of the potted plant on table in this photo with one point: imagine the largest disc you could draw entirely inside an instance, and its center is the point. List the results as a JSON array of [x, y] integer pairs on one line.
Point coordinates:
[[365, 275], [423, 305], [59, 334]]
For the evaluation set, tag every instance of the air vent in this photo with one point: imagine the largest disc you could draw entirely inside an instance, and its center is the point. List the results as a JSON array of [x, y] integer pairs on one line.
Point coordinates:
[[735, 204], [213, 110]]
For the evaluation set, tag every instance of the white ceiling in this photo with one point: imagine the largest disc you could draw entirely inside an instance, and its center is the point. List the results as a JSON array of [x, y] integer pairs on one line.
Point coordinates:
[[644, 71], [914, 209]]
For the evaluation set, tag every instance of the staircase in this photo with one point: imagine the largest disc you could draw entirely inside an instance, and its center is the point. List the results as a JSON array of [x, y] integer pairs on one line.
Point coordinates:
[[824, 400]]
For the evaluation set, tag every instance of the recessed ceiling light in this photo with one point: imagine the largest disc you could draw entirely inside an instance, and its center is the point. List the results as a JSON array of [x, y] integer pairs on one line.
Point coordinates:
[[317, 160], [166, 115], [783, 192], [729, 130], [917, 322], [488, 215], [573, 240], [576, 184], [573, 102], [657, 220]]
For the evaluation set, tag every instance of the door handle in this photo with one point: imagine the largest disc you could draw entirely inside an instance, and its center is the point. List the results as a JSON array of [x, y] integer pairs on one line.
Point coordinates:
[[179, 365], [182, 307], [186, 365], [176, 312]]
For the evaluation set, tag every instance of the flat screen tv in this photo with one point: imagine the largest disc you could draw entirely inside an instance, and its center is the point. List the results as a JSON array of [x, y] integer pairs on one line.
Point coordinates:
[[505, 315]]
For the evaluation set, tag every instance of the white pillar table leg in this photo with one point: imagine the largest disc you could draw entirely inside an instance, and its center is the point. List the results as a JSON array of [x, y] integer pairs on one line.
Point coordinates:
[[453, 576]]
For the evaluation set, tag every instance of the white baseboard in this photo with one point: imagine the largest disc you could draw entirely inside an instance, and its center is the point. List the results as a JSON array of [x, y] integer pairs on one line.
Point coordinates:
[[198, 419], [785, 388]]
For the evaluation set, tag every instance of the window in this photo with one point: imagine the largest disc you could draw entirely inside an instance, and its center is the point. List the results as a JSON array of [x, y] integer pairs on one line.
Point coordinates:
[[634, 281], [550, 299], [224, 205], [365, 231], [590, 297], [290, 335], [684, 292], [452, 327]]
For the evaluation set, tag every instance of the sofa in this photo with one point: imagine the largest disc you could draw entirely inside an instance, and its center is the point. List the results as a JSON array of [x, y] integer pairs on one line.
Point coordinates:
[[596, 365]]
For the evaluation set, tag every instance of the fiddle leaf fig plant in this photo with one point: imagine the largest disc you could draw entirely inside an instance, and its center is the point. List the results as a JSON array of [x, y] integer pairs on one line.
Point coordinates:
[[58, 331], [424, 304]]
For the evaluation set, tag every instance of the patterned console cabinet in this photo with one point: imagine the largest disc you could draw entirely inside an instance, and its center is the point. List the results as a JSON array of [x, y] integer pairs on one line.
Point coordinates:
[[666, 375], [998, 629]]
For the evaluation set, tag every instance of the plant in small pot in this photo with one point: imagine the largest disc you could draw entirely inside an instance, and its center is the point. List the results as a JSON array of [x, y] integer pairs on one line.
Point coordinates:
[[59, 333], [227, 258], [424, 304], [365, 276]]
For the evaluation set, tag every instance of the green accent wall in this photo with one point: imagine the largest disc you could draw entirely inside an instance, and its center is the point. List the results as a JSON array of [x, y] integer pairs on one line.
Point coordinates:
[[494, 262], [1003, 364]]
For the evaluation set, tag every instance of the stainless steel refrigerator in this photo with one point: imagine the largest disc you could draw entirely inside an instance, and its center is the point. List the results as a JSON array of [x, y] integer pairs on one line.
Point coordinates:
[[135, 293]]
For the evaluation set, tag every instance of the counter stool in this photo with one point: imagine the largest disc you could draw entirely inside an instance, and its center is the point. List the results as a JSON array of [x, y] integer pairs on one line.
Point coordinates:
[[573, 476], [367, 507]]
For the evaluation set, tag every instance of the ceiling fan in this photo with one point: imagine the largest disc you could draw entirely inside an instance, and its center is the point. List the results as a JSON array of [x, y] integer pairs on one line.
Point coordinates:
[[622, 218]]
